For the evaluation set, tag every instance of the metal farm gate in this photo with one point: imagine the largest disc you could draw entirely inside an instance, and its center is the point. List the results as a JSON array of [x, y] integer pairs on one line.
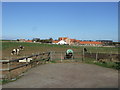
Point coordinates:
[[83, 56], [56, 56]]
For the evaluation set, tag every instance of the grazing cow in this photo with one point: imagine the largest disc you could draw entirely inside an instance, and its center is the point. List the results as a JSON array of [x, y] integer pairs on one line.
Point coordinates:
[[21, 47], [85, 49], [26, 60], [15, 51]]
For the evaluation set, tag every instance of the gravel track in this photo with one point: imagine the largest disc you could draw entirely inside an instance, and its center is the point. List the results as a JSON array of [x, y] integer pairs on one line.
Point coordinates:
[[67, 75]]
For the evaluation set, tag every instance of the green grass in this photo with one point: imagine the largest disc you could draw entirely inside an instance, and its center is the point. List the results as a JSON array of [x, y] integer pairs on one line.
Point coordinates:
[[53, 61], [4, 81], [6, 45], [107, 64], [114, 50]]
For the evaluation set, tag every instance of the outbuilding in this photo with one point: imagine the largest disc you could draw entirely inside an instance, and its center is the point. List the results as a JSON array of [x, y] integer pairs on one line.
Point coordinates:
[[62, 42]]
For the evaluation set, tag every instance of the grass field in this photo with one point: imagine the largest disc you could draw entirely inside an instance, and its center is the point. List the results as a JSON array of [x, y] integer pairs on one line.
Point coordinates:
[[34, 48], [31, 48]]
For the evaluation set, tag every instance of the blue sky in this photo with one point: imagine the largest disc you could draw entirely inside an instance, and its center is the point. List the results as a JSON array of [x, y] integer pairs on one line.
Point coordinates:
[[78, 20]]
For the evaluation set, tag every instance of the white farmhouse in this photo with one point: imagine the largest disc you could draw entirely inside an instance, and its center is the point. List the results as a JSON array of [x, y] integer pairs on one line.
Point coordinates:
[[62, 42]]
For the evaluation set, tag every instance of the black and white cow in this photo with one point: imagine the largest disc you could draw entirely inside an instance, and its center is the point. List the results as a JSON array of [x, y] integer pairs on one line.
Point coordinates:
[[21, 47], [15, 51]]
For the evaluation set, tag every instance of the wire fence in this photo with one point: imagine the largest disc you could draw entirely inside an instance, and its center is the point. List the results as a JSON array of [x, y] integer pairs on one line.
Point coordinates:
[[103, 56], [62, 56], [82, 55], [14, 68]]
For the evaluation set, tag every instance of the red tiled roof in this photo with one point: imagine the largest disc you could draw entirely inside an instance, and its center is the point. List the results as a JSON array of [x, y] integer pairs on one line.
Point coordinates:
[[77, 40], [72, 40], [90, 42], [55, 41], [28, 41], [63, 38]]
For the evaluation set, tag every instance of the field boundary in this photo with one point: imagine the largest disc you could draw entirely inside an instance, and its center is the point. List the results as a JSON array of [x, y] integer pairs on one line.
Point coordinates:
[[13, 68]]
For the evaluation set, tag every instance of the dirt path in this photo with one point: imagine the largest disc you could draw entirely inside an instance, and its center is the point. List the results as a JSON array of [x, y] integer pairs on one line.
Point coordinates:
[[67, 75]]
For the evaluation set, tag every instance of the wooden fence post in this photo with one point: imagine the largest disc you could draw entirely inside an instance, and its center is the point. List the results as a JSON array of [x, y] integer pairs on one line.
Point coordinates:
[[111, 58], [61, 57], [51, 55], [96, 56], [83, 54], [9, 70], [96, 53]]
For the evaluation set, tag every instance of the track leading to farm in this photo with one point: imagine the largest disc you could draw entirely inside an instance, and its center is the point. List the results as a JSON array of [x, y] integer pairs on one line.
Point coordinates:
[[67, 75]]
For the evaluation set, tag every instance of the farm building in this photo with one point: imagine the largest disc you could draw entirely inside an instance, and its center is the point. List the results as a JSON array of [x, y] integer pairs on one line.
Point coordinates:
[[66, 40], [22, 40], [61, 42], [28, 41], [74, 42], [91, 43], [69, 41], [106, 42], [55, 42]]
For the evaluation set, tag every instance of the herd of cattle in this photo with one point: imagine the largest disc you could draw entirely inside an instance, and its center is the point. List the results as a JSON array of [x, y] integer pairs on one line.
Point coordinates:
[[17, 51], [68, 55]]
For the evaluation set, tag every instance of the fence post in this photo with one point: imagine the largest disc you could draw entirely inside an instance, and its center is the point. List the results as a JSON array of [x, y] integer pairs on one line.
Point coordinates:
[[83, 54], [61, 57], [96, 53], [72, 57], [111, 56], [51, 55], [96, 56], [48, 56], [9, 70]]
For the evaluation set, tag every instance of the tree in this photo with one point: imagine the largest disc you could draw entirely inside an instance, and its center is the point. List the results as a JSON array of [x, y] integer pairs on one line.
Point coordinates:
[[18, 40], [36, 39], [50, 40]]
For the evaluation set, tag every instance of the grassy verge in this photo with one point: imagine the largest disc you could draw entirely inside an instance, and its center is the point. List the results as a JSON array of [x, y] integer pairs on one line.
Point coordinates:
[[112, 65], [53, 61], [4, 81]]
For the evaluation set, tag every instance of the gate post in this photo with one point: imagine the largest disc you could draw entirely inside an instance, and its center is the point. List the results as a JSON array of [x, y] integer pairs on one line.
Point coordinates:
[[96, 56], [83, 54], [61, 57], [9, 74], [51, 55]]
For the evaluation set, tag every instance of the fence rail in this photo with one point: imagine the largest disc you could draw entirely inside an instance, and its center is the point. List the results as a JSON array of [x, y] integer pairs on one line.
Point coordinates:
[[61, 56], [82, 55], [14, 66], [16, 60], [107, 56], [9, 67]]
